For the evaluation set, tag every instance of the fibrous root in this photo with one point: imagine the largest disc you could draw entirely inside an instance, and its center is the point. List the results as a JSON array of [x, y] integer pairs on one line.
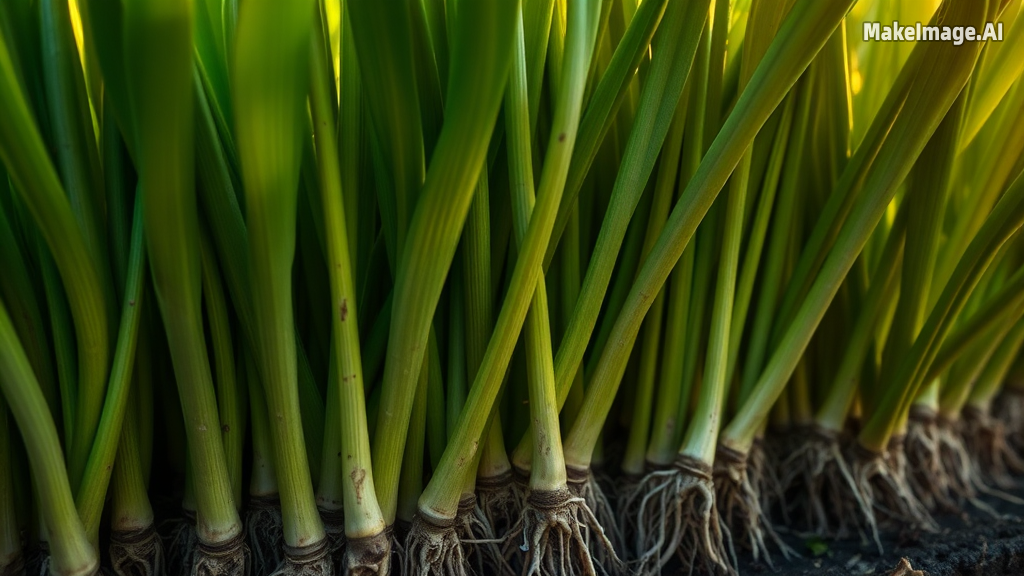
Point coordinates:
[[583, 484], [433, 548], [263, 528], [136, 552], [499, 501], [986, 440], [739, 505], [558, 534], [678, 515], [368, 556], [477, 537], [817, 478], [228, 558]]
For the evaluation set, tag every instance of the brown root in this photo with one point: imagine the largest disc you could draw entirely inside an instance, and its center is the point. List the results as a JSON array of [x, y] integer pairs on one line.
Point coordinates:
[[136, 552], [678, 516], [311, 560], [817, 479], [986, 441], [265, 534], [13, 566], [1009, 409], [499, 501], [228, 558], [557, 534], [928, 478], [334, 527], [479, 543], [369, 556], [181, 549], [882, 484], [628, 491], [432, 548], [582, 484], [763, 473], [739, 505]]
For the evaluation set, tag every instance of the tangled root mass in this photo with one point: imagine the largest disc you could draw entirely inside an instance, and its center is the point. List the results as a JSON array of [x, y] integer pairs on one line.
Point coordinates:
[[264, 532], [558, 535], [678, 515], [229, 558], [740, 505], [136, 553]]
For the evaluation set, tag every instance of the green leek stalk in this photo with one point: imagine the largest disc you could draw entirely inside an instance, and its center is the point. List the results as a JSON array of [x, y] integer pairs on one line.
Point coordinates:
[[363, 517], [926, 205], [439, 501], [547, 472], [363, 513], [36, 181], [158, 42], [678, 42], [96, 476], [231, 394], [936, 90], [965, 374], [800, 37], [77, 163], [992, 379], [16, 289], [70, 551], [480, 47], [664, 192], [688, 288], [885, 280], [10, 533], [1004, 222], [605, 100], [130, 507], [269, 96]]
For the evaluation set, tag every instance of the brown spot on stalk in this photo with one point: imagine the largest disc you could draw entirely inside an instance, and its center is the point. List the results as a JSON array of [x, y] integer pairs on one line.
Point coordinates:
[[344, 309], [358, 477], [225, 428], [131, 302], [561, 137]]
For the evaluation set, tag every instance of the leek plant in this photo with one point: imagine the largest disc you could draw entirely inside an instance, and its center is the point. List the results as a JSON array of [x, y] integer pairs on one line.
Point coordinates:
[[539, 287]]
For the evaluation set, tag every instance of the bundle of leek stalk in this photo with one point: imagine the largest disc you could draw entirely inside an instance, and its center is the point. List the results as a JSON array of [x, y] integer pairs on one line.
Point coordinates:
[[493, 287]]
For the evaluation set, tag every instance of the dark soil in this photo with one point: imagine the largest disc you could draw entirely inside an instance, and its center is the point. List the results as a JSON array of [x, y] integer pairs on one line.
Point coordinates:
[[974, 543]]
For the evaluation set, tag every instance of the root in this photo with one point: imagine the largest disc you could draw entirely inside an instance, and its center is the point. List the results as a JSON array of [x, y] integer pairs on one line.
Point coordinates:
[[763, 474], [265, 534], [582, 484], [740, 505], [986, 441], [181, 549], [882, 484], [13, 566], [499, 501], [628, 491], [1009, 409], [928, 478], [558, 535], [477, 537], [334, 527], [312, 560], [817, 479], [136, 552], [678, 515], [229, 558], [433, 549], [369, 556]]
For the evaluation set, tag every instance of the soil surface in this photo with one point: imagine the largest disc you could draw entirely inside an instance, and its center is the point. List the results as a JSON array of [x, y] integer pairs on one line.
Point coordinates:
[[974, 543]]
